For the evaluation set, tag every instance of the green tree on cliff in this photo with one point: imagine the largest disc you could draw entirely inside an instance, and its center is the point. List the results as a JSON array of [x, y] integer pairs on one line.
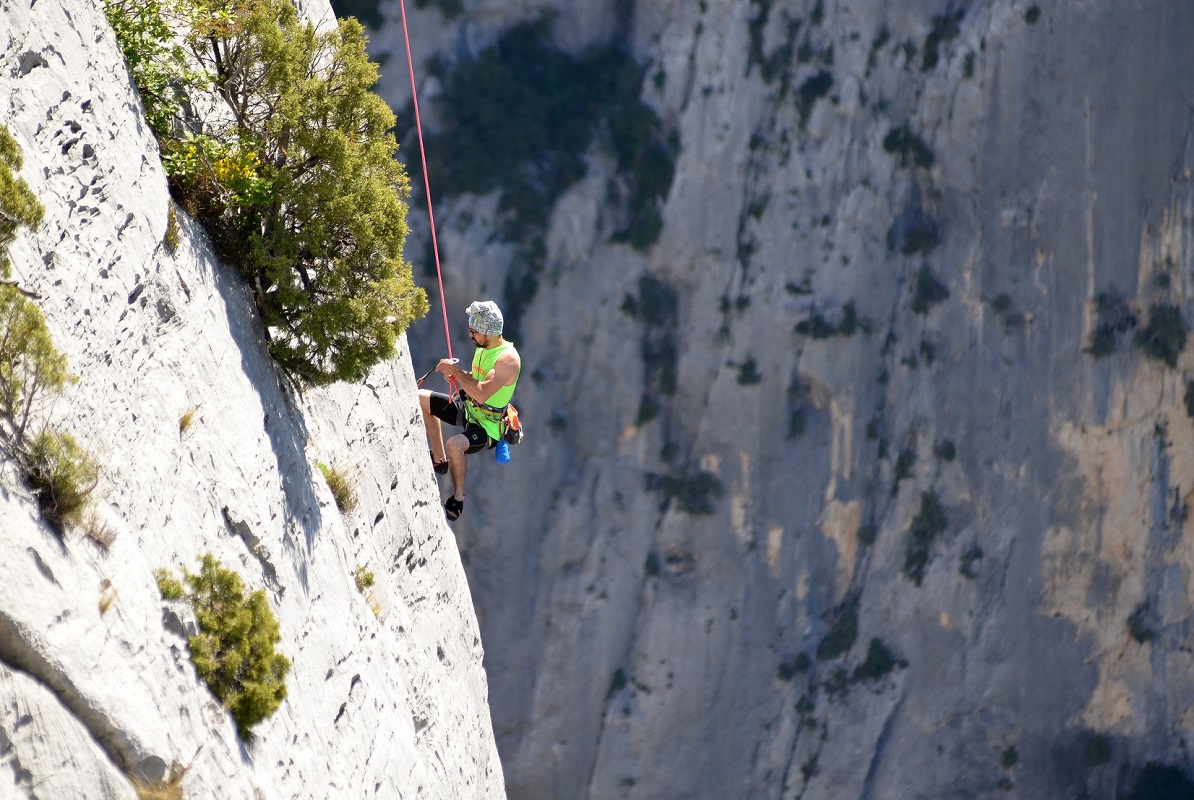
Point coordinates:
[[294, 176]]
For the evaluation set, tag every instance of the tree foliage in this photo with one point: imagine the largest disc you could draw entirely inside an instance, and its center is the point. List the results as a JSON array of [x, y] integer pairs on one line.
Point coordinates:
[[293, 174], [234, 651], [18, 205], [30, 367]]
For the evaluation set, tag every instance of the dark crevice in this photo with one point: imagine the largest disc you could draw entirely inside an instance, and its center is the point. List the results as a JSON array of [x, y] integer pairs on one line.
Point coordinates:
[[18, 651]]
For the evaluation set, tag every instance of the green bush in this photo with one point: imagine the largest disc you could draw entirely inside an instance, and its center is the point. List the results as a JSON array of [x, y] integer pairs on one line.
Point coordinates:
[[880, 661], [19, 207], [62, 476], [145, 31], [694, 492], [794, 666], [946, 28], [1164, 337], [30, 366], [908, 146], [929, 291], [929, 521], [748, 372], [813, 89], [301, 190], [234, 651], [363, 578], [841, 636]]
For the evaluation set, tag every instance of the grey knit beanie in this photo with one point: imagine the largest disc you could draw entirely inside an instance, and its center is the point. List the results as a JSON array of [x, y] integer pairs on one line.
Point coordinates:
[[485, 317]]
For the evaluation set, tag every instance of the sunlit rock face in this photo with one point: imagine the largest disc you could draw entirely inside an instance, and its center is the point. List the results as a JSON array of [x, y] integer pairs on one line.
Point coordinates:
[[204, 447], [904, 291]]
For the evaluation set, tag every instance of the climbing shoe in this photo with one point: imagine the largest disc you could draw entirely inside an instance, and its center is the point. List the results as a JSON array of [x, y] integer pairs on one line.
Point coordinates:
[[439, 466], [453, 508]]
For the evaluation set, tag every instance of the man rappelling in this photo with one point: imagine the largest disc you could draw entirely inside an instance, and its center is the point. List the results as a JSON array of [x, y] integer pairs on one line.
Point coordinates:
[[480, 407]]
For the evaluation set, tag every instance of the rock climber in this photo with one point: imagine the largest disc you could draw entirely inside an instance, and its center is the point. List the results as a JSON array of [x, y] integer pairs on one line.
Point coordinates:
[[485, 391]]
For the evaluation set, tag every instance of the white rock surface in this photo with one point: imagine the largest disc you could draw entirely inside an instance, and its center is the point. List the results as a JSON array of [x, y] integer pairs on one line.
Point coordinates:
[[387, 695]]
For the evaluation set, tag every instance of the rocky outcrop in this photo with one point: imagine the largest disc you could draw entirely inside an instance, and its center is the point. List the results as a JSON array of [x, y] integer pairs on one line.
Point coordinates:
[[205, 448], [886, 241]]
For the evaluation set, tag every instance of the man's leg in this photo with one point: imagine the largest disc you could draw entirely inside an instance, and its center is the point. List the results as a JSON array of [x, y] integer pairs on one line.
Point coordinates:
[[458, 447], [435, 431]]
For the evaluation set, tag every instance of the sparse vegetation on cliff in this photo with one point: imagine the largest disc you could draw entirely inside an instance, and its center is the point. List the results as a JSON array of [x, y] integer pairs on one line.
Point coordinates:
[[234, 651]]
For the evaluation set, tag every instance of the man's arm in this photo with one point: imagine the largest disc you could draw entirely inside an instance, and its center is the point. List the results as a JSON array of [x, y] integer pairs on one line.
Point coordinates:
[[504, 373]]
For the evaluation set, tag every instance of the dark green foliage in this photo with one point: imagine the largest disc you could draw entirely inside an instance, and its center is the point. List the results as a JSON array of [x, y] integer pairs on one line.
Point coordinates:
[[62, 476], [233, 652], [1032, 15], [1115, 317], [945, 29], [648, 409], [1098, 751], [841, 636], [929, 291], [19, 207], [694, 492], [1164, 337], [1002, 304], [811, 90], [904, 464], [911, 149], [792, 667], [818, 327], [1009, 757], [31, 368], [928, 523], [972, 556], [921, 238], [656, 304], [1157, 781], [880, 661], [1189, 398], [748, 373]]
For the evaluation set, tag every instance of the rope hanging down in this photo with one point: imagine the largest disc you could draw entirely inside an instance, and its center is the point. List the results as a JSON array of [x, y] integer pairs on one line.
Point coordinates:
[[414, 95]]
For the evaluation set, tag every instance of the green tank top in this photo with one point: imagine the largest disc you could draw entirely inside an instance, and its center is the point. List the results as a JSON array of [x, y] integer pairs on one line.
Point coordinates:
[[483, 361]]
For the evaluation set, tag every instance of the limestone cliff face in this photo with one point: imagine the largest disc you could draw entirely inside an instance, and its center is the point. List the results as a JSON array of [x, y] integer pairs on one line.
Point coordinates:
[[971, 181], [387, 696]]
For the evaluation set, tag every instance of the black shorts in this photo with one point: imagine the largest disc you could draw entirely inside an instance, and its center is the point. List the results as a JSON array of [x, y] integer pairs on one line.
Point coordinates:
[[447, 411]]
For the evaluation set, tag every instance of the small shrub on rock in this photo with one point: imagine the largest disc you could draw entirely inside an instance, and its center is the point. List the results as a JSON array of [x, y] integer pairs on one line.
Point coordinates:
[[234, 651], [926, 525], [1164, 337], [62, 476], [340, 483]]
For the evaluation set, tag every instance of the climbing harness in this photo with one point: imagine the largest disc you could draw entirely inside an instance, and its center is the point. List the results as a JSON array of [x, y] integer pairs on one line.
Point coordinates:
[[414, 96]]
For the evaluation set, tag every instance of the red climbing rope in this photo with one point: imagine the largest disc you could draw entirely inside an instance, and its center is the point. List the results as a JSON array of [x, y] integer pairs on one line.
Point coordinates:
[[414, 95]]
